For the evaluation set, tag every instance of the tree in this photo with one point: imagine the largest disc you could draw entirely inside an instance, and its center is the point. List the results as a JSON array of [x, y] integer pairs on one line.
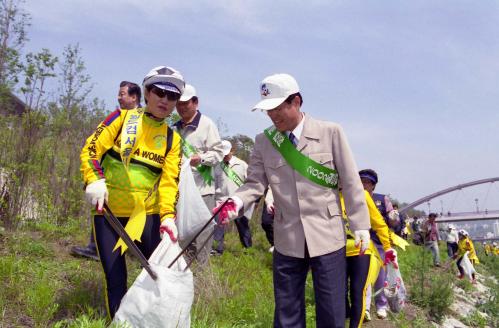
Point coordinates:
[[243, 144], [13, 23]]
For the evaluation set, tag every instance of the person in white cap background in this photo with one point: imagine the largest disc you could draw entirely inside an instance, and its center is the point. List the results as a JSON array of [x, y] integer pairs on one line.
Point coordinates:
[[229, 176], [304, 160], [132, 163], [452, 240], [202, 146]]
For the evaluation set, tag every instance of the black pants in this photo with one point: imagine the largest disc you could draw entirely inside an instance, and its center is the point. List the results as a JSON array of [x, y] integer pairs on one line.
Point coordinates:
[[451, 249], [268, 224], [114, 263], [357, 271], [243, 229], [328, 273]]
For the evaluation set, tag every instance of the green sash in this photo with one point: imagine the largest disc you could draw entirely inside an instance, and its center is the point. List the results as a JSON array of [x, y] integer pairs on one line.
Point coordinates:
[[231, 174], [304, 165], [205, 171]]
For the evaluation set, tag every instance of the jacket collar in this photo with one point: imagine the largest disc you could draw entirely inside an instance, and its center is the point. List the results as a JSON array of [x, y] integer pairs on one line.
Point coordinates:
[[310, 132], [193, 125]]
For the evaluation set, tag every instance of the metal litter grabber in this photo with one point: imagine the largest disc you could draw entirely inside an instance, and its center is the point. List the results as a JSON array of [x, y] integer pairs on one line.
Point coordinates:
[[118, 228], [197, 235]]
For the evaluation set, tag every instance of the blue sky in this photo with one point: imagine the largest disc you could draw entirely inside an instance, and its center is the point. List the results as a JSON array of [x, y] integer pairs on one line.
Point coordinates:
[[414, 84]]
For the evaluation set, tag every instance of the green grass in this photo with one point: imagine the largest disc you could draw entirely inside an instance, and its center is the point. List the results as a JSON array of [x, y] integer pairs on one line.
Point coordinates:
[[41, 285]]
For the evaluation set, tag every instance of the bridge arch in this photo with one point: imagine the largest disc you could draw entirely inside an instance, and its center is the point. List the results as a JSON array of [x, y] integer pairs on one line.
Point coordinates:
[[446, 191]]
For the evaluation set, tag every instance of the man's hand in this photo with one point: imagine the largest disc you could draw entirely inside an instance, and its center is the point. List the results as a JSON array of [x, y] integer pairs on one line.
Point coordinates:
[[228, 211], [271, 209], [391, 257], [168, 225], [195, 160], [96, 194], [362, 239]]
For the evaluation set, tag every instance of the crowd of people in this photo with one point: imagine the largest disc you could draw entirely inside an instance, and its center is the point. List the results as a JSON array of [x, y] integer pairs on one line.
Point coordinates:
[[320, 214]]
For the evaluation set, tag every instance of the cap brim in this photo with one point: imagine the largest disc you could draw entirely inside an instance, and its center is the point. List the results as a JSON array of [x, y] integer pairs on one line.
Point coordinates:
[[268, 104], [368, 177], [185, 98], [167, 87]]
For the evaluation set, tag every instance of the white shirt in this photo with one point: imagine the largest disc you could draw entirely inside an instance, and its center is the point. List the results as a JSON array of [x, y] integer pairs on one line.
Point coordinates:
[[298, 130]]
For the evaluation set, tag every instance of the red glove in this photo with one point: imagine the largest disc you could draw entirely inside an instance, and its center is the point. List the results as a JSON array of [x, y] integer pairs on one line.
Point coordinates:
[[228, 211], [168, 226], [391, 257]]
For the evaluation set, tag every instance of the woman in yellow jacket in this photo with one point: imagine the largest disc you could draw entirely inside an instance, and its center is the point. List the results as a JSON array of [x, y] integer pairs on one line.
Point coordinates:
[[362, 266], [132, 163], [464, 245]]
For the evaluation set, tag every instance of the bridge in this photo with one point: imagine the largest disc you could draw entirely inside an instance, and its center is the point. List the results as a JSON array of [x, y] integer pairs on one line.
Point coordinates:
[[482, 225], [469, 216]]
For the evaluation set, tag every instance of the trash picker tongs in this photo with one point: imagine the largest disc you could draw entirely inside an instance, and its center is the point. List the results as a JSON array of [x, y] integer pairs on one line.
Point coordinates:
[[197, 235], [118, 228]]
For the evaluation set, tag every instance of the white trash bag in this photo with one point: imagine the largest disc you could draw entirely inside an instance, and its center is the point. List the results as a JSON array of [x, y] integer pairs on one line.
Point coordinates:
[[467, 266], [192, 213], [163, 303], [394, 289]]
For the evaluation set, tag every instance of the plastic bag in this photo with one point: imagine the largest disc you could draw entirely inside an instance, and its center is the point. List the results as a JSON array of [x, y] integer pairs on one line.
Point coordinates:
[[394, 289], [192, 213], [165, 302], [467, 266]]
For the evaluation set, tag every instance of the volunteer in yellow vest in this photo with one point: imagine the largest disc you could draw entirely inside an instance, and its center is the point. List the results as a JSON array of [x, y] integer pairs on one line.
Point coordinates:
[[487, 248], [132, 163], [129, 96], [361, 267], [464, 245], [202, 146]]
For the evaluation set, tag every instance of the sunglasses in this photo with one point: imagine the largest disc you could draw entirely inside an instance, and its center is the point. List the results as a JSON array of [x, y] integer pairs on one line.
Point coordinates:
[[161, 93]]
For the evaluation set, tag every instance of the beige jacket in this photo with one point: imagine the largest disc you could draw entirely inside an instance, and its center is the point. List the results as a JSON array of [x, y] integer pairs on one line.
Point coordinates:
[[305, 211], [203, 135]]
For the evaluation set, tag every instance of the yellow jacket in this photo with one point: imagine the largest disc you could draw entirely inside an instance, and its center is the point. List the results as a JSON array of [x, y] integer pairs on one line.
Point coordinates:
[[378, 224], [466, 245], [149, 171], [488, 249]]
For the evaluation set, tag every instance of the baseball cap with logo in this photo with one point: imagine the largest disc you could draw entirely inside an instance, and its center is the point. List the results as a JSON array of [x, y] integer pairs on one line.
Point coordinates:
[[274, 89], [189, 92]]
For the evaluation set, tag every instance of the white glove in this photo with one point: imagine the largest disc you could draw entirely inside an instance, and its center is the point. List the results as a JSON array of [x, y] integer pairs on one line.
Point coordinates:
[[271, 208], [168, 225], [362, 238], [394, 216], [96, 194]]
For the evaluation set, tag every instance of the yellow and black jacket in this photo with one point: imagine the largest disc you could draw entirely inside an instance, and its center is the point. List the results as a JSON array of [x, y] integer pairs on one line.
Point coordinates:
[[378, 224], [152, 174]]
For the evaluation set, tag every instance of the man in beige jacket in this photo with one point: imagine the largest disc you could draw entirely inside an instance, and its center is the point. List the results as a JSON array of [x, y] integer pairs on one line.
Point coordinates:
[[202, 146], [308, 226]]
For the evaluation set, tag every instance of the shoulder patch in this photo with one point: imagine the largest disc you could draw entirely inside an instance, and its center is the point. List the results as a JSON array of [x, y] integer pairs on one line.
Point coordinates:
[[111, 117]]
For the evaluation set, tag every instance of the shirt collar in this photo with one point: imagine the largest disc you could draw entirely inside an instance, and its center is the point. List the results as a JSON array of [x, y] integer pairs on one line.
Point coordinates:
[[193, 125], [299, 128]]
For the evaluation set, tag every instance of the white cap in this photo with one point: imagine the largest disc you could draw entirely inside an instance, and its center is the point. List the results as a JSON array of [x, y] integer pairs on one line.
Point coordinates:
[[189, 92], [274, 89], [226, 147]]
